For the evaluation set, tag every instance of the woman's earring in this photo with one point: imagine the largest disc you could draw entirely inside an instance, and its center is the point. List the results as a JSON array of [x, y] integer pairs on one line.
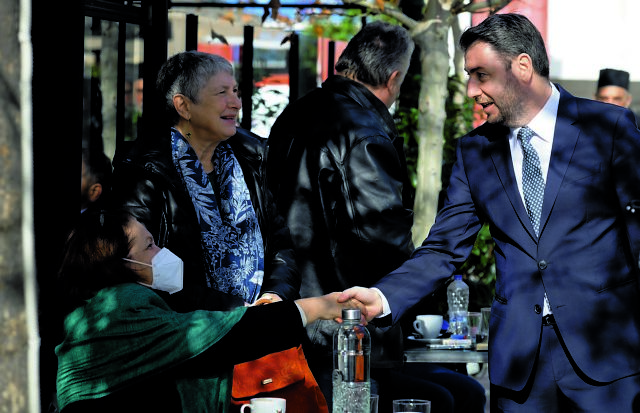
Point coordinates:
[[189, 133]]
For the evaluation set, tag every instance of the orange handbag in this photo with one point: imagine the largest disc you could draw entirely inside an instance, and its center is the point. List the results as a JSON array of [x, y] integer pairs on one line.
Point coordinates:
[[286, 375]]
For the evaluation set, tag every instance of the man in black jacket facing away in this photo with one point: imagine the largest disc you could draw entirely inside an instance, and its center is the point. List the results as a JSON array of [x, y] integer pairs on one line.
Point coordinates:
[[336, 167]]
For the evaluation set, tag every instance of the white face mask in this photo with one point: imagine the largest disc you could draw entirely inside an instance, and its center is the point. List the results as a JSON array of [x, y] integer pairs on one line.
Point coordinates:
[[167, 271]]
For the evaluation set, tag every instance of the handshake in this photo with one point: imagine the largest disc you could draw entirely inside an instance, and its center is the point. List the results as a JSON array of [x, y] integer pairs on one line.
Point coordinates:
[[330, 306]]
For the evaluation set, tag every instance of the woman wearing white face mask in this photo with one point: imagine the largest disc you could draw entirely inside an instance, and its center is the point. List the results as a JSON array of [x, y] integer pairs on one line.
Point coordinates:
[[166, 271], [124, 349]]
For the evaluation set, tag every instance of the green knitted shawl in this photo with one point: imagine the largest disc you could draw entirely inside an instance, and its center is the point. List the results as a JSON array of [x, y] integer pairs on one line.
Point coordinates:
[[127, 333]]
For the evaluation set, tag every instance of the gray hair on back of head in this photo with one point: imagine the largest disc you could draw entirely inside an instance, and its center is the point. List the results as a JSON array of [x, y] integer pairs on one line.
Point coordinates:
[[375, 52]]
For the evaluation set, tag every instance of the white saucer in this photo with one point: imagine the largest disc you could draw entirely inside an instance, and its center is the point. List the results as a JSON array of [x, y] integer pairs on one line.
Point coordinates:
[[425, 340]]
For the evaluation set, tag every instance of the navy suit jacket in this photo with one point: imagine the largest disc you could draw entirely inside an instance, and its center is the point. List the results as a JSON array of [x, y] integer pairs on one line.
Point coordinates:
[[585, 260]]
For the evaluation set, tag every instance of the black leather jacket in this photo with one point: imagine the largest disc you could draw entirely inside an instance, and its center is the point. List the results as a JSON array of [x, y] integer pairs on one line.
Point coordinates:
[[337, 169], [147, 184]]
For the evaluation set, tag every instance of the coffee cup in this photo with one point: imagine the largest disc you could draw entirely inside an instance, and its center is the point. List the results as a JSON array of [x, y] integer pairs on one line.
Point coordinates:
[[265, 405], [428, 325]]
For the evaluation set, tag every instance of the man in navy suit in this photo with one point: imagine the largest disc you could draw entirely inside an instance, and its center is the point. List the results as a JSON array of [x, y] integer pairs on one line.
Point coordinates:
[[565, 320]]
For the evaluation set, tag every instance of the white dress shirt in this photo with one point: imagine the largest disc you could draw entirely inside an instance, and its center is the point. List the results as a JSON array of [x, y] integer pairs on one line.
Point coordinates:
[[543, 126]]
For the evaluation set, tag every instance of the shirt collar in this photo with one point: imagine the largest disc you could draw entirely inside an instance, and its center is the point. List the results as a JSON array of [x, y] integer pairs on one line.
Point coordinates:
[[544, 123]]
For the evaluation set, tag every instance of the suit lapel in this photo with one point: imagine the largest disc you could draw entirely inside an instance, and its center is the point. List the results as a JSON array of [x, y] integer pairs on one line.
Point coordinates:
[[565, 137]]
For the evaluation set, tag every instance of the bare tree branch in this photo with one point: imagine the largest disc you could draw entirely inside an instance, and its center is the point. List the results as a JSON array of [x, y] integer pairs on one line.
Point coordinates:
[[388, 10], [474, 7]]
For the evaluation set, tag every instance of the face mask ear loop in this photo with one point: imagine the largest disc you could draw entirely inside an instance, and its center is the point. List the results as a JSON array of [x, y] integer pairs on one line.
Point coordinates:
[[138, 262], [141, 263]]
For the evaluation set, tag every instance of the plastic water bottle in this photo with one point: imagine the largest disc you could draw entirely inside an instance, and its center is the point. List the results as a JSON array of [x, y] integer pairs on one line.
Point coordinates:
[[458, 302], [351, 359]]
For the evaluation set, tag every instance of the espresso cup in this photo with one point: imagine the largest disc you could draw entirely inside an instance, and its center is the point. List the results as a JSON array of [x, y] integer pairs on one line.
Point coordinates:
[[265, 405], [428, 326]]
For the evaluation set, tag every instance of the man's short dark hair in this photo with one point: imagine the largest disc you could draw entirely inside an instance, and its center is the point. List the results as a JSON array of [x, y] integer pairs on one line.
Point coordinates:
[[510, 35]]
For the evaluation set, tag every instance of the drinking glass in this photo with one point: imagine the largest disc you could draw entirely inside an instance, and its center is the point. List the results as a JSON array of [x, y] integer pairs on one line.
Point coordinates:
[[373, 402], [411, 405], [484, 323], [475, 322]]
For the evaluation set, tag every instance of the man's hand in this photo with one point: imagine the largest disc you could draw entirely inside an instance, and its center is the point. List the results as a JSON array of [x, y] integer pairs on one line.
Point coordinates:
[[370, 300], [327, 307]]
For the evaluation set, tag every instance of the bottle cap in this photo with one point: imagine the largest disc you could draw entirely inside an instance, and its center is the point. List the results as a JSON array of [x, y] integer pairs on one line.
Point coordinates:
[[351, 314]]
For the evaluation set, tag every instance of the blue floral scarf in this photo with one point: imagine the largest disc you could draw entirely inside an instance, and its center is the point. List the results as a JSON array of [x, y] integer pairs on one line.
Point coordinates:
[[231, 238]]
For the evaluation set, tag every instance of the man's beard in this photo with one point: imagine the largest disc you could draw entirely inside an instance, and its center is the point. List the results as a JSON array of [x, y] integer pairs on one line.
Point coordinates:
[[511, 108]]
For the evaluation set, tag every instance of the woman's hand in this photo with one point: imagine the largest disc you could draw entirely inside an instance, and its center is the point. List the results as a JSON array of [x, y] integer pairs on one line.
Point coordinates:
[[367, 299], [267, 298]]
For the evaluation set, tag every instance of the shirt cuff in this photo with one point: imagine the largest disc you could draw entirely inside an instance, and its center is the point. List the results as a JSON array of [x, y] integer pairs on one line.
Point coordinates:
[[386, 310], [303, 316]]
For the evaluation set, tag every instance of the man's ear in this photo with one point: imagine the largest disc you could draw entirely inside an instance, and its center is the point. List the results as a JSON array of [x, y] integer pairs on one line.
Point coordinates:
[[94, 192], [523, 67], [390, 91], [393, 79]]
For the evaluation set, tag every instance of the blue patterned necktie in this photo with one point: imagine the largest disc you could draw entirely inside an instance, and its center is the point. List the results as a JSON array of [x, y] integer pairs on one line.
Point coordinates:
[[532, 181]]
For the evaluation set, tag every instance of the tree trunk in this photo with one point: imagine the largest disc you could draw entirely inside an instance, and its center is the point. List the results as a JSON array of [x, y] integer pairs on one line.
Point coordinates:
[[435, 64], [14, 340]]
